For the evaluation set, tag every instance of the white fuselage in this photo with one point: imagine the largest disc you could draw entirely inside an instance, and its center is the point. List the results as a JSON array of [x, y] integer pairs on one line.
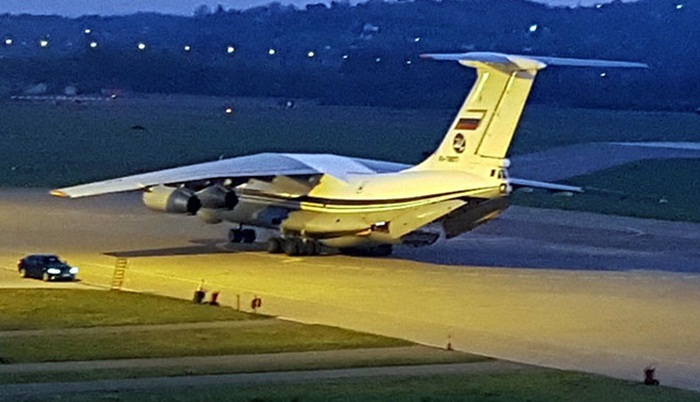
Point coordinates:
[[378, 208], [394, 191]]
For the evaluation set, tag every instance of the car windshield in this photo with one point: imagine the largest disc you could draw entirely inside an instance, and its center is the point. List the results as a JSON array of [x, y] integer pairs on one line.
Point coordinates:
[[51, 261]]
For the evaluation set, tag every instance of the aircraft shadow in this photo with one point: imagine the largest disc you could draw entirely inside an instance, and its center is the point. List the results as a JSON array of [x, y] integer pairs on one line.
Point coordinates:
[[198, 247], [474, 254], [559, 257]]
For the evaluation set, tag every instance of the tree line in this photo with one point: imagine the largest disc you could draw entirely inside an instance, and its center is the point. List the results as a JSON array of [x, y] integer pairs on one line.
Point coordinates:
[[365, 54]]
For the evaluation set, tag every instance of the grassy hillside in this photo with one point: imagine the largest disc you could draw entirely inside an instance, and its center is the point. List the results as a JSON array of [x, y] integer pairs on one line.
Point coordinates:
[[662, 189]]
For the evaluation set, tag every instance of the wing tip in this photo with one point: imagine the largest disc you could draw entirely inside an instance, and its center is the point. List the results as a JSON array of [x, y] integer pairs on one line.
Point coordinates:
[[59, 193]]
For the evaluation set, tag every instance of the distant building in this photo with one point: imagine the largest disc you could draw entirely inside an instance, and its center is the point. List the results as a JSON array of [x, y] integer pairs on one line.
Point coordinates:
[[70, 90], [38, 89]]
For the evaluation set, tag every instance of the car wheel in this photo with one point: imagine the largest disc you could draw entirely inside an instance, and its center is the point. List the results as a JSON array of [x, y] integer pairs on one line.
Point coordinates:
[[45, 277], [22, 273]]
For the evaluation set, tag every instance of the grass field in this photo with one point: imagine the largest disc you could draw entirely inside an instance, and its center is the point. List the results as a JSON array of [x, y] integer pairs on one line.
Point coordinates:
[[24, 309], [54, 309], [664, 189], [47, 145], [114, 308], [538, 385], [280, 364], [282, 336]]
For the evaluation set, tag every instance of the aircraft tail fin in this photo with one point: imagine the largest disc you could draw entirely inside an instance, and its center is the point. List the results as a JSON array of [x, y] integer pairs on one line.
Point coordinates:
[[483, 129]]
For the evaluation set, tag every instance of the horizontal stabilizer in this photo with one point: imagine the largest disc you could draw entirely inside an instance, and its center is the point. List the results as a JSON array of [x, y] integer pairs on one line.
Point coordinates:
[[529, 62], [520, 183]]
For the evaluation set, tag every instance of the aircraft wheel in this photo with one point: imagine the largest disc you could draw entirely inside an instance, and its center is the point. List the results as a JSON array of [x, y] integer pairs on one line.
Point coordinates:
[[307, 247], [317, 248], [291, 247], [235, 235], [248, 236], [275, 245], [22, 273], [45, 277], [313, 247]]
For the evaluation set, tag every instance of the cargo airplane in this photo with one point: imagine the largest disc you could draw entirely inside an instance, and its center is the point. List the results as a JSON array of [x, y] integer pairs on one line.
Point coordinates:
[[320, 202]]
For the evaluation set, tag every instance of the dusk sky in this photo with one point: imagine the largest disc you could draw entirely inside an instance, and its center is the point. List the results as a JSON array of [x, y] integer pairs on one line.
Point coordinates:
[[75, 8]]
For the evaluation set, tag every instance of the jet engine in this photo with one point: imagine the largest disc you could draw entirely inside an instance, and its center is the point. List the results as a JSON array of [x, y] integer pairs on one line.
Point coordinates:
[[216, 197], [172, 199]]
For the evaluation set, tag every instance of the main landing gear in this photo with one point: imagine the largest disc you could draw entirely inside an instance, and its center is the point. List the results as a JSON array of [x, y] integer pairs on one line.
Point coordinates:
[[241, 235], [293, 246], [297, 246], [382, 250]]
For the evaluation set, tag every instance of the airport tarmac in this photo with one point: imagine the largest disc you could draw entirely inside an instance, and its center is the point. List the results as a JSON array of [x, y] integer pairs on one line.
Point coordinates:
[[602, 294]]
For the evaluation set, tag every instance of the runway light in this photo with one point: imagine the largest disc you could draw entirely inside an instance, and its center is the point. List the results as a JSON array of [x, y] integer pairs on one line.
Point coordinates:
[[9, 42], [679, 6], [533, 27], [229, 110], [271, 51], [310, 54], [230, 49], [603, 75], [141, 46], [44, 43], [345, 57], [408, 62], [598, 6], [88, 31], [416, 39], [93, 45], [187, 48], [378, 60]]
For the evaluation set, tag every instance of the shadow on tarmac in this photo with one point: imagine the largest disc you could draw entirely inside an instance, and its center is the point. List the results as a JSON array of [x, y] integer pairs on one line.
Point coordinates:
[[199, 247], [517, 245]]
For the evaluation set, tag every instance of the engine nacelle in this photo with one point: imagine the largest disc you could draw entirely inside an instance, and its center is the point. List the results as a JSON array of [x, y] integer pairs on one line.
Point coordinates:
[[216, 197], [210, 216], [172, 199]]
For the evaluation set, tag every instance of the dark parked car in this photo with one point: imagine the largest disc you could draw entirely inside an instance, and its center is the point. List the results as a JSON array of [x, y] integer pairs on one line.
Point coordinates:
[[45, 266]]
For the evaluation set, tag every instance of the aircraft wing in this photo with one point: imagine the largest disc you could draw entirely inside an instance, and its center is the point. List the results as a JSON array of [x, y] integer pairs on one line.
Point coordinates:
[[540, 168], [258, 165]]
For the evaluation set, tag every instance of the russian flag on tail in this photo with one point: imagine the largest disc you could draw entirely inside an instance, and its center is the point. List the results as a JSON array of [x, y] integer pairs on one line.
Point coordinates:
[[470, 120]]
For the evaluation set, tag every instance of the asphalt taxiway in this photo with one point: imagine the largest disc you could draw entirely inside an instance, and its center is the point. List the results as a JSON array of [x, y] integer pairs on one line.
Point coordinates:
[[602, 294]]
